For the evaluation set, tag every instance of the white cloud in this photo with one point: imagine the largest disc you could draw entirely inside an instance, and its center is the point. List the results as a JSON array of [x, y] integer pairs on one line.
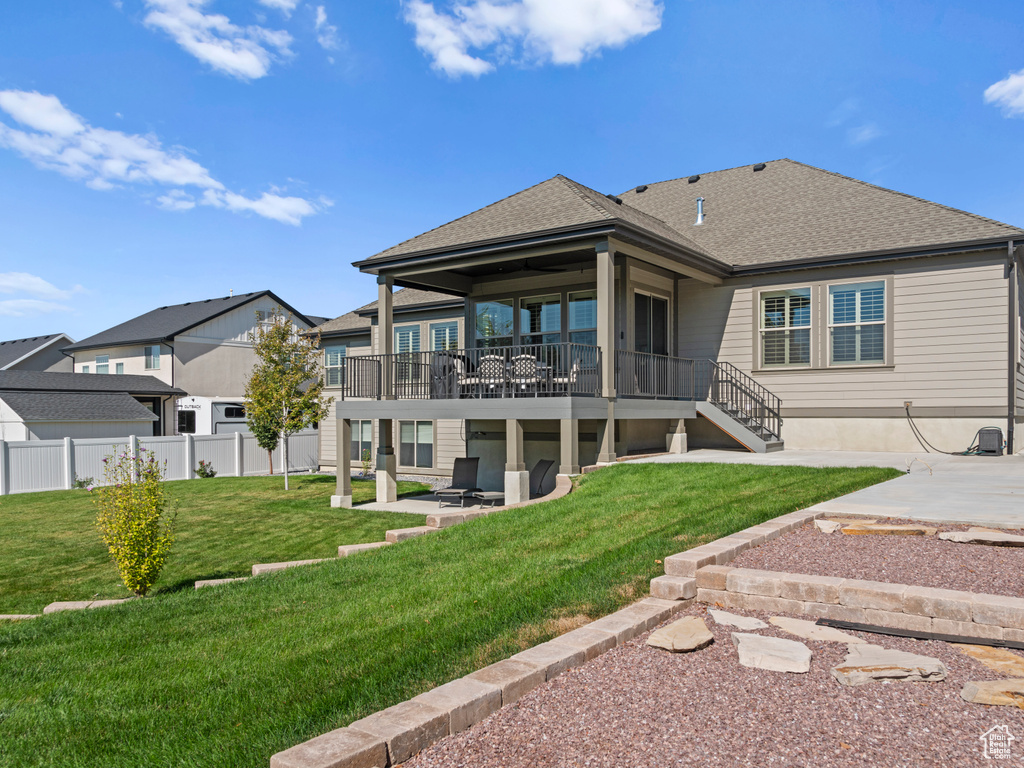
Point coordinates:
[[326, 34], [29, 307], [33, 285], [59, 140], [862, 134], [45, 296], [528, 31], [1008, 93], [285, 6], [242, 52]]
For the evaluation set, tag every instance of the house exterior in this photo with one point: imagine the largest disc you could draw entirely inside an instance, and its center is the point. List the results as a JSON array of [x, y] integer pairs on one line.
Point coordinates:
[[38, 353], [201, 347], [762, 306], [424, 321], [46, 405]]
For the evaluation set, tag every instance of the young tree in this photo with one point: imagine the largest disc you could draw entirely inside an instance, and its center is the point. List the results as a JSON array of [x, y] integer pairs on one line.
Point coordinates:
[[284, 392]]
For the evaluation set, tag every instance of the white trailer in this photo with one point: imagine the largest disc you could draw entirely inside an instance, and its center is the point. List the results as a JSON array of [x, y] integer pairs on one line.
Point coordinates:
[[210, 416]]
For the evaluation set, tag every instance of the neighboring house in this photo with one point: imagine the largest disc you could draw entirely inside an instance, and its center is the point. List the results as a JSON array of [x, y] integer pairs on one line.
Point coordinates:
[[424, 321], [742, 307], [43, 405], [202, 347], [39, 353]]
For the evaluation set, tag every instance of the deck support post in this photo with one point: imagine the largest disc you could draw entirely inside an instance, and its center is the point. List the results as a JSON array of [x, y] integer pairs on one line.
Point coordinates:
[[606, 316], [570, 447], [387, 462], [517, 479], [386, 333], [343, 460], [675, 440], [606, 437]]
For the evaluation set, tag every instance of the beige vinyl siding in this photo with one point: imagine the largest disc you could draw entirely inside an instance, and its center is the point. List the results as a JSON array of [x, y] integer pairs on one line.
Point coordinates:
[[948, 332]]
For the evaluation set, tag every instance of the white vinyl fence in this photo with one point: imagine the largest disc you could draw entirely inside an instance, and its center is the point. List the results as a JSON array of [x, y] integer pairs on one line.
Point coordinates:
[[53, 465]]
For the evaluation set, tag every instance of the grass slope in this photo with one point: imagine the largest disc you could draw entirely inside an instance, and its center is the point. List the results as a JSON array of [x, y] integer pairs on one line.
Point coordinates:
[[228, 676], [52, 550]]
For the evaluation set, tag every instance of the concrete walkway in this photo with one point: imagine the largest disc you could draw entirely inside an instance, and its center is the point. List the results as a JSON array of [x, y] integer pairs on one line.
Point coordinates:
[[980, 490], [418, 505]]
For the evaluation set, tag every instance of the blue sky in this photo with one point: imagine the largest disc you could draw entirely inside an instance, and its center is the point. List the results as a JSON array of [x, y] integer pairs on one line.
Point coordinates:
[[161, 151]]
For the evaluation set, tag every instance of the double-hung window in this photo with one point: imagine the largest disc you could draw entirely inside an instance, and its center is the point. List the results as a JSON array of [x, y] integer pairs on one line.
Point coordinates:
[[334, 365], [856, 322], [407, 344], [102, 363], [583, 318], [152, 355], [444, 336], [119, 368], [786, 328], [416, 443]]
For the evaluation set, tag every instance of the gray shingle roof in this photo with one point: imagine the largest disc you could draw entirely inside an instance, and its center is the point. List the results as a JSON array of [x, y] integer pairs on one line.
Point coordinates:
[[47, 381], [405, 298], [76, 406], [165, 323], [18, 348], [791, 211], [558, 203]]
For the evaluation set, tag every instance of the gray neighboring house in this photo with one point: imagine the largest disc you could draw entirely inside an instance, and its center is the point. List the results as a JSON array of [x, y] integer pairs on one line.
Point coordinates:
[[761, 306], [44, 405], [200, 346], [424, 321], [38, 353]]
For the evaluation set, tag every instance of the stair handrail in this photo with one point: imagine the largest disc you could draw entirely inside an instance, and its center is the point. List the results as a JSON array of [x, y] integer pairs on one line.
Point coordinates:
[[768, 414]]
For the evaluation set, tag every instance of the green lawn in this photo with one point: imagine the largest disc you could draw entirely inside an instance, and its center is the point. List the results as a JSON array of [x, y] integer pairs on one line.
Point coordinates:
[[51, 549], [227, 676]]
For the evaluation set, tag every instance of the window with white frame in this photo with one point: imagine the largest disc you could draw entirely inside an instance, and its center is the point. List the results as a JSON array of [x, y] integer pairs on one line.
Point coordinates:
[[583, 317], [786, 328], [444, 336], [85, 369], [334, 365], [416, 443], [407, 344], [362, 440], [119, 368], [152, 356], [856, 323], [102, 363]]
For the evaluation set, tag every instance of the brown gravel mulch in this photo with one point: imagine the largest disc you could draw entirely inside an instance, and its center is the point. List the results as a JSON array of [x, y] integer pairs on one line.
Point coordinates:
[[922, 561], [640, 707]]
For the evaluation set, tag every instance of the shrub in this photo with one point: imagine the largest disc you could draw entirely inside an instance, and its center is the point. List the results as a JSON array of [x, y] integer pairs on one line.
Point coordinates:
[[83, 483], [365, 458], [205, 469], [133, 519]]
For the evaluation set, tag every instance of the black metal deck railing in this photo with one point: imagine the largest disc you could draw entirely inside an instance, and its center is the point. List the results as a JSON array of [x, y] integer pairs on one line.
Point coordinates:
[[527, 370]]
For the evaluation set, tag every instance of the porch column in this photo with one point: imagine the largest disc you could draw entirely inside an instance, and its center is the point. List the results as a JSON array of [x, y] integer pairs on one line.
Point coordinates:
[[606, 316], [387, 462], [517, 479], [386, 332], [570, 447], [343, 460], [606, 439], [675, 440]]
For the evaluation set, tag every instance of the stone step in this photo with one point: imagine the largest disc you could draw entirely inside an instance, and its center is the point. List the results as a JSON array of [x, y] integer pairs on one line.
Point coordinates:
[[402, 534], [217, 582], [261, 568], [18, 616], [354, 549], [81, 605]]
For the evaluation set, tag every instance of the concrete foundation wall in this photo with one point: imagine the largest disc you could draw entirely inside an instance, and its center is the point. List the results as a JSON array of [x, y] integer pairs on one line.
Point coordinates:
[[852, 434]]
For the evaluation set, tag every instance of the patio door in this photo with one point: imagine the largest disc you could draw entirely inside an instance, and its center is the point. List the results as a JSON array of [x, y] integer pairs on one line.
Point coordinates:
[[650, 324]]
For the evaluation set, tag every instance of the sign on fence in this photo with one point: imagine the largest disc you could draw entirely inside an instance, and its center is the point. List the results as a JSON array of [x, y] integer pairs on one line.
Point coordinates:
[[52, 465]]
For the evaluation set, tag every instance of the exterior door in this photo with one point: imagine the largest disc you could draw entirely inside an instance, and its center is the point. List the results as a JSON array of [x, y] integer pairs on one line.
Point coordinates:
[[153, 404], [650, 324]]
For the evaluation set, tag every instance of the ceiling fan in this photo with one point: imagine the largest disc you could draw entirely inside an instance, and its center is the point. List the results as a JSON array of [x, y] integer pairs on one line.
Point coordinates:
[[525, 266]]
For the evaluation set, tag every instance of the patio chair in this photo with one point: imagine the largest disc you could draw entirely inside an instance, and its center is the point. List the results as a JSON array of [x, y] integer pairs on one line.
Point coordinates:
[[489, 378], [463, 482], [524, 372], [564, 383]]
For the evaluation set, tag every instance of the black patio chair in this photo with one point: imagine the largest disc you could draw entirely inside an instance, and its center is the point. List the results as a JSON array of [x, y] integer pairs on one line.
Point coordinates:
[[463, 482], [538, 474]]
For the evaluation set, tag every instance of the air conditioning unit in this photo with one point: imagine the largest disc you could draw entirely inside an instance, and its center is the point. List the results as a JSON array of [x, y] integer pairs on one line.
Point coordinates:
[[990, 441]]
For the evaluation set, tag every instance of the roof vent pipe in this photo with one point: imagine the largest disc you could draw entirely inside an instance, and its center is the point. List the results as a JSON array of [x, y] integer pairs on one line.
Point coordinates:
[[700, 211]]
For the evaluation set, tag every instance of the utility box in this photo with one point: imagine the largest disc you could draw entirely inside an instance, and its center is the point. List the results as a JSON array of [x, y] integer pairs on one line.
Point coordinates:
[[990, 442]]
